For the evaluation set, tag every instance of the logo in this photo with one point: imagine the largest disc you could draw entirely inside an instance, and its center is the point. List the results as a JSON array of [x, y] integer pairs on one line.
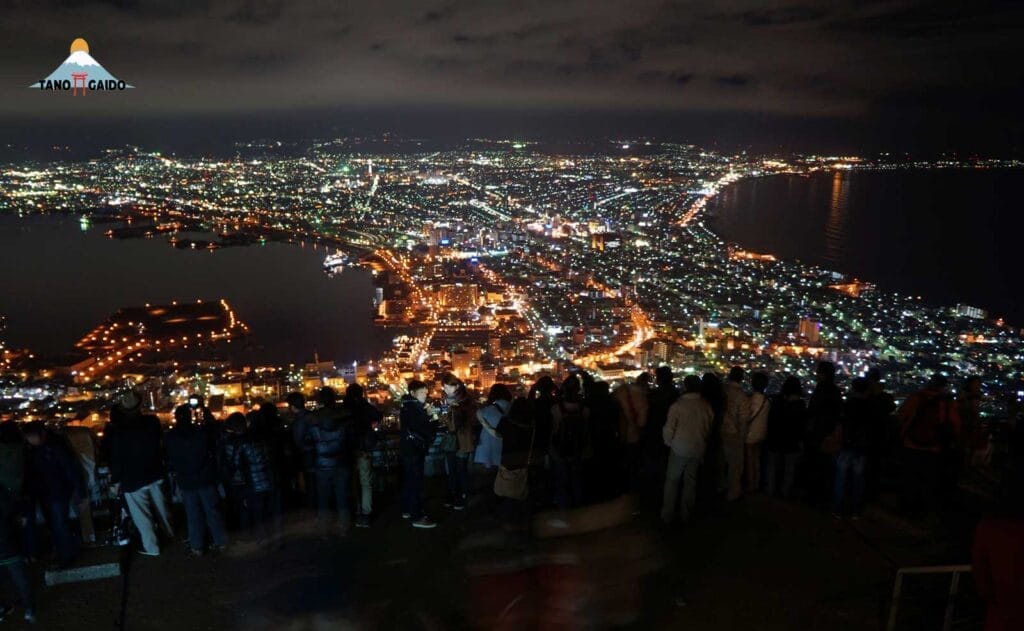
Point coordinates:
[[80, 72]]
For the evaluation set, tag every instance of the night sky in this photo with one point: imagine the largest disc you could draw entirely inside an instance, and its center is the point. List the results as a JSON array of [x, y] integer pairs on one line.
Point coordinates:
[[902, 74]]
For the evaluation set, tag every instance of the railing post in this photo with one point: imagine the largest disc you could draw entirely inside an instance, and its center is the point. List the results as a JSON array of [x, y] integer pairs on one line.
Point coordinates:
[[895, 605], [954, 585]]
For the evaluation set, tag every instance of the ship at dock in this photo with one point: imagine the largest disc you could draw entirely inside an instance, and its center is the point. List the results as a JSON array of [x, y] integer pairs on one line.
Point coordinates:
[[336, 263]]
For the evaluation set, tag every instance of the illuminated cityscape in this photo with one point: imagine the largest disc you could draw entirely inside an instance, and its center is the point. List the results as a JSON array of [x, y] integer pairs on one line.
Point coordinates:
[[498, 261]]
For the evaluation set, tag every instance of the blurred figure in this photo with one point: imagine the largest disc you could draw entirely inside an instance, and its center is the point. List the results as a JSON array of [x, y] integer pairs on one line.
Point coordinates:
[[653, 452], [974, 433], [85, 446], [137, 469], [365, 418], [734, 431], [787, 419], [458, 415], [488, 452], [570, 444], [332, 443], [821, 448], [232, 476], [53, 479], [11, 558], [417, 435], [604, 480], [756, 431], [633, 400], [685, 433], [12, 459], [542, 397], [191, 459], [855, 430], [996, 560], [882, 434], [519, 440], [929, 423], [711, 475], [301, 422]]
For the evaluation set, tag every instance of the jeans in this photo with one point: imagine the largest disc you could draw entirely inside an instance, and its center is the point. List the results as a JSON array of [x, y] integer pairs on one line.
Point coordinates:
[[19, 577], [333, 484], [364, 465], [568, 477], [732, 446], [413, 461], [680, 469], [202, 512], [457, 466], [144, 504], [849, 477], [64, 542], [786, 462], [264, 508]]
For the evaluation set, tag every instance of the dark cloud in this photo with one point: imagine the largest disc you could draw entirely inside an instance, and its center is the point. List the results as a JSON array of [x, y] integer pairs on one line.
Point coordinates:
[[848, 59]]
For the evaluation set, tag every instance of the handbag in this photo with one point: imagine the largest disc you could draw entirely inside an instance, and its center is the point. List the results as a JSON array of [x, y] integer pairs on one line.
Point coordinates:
[[515, 483]]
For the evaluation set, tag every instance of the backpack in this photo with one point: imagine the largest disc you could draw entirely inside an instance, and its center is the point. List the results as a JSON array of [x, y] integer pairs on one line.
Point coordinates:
[[929, 428], [570, 440]]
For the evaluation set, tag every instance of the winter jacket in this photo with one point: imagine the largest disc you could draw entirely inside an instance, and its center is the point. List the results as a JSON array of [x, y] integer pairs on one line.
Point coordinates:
[[737, 411], [253, 461], [331, 439], [787, 419], [823, 412], [417, 428], [364, 416], [933, 410], [190, 455], [759, 408], [135, 458], [460, 420], [858, 416], [52, 472], [516, 435], [688, 425], [229, 454]]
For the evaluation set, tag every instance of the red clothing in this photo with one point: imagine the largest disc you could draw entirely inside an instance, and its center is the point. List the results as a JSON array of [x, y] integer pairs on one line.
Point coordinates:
[[945, 409], [998, 558]]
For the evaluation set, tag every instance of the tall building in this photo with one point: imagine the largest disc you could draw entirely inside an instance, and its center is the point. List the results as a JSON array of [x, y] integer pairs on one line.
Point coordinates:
[[810, 330]]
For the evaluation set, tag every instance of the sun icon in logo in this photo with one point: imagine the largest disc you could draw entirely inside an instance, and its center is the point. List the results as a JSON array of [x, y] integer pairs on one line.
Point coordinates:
[[79, 45]]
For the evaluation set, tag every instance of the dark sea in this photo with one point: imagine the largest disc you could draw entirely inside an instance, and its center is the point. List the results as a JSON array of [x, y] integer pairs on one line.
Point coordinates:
[[951, 236], [58, 280]]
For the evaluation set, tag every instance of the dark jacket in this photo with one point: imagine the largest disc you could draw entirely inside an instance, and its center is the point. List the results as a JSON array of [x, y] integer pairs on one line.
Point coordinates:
[[823, 412], [417, 428], [252, 463], [8, 526], [135, 458], [364, 416], [300, 428], [229, 454], [787, 419], [857, 423], [12, 466], [516, 434], [331, 439], [52, 471], [190, 455]]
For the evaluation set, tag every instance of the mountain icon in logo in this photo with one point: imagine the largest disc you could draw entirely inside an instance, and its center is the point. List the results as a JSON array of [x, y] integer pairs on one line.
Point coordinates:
[[80, 71]]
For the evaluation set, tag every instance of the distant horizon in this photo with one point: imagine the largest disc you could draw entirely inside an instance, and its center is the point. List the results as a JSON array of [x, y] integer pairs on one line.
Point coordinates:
[[89, 135]]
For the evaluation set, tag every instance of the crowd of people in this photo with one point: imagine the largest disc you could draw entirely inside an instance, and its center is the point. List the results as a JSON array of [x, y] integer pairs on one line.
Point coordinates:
[[677, 449]]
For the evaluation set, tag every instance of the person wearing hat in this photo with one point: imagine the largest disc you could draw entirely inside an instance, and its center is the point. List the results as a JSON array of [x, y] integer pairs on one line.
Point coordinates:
[[136, 467]]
